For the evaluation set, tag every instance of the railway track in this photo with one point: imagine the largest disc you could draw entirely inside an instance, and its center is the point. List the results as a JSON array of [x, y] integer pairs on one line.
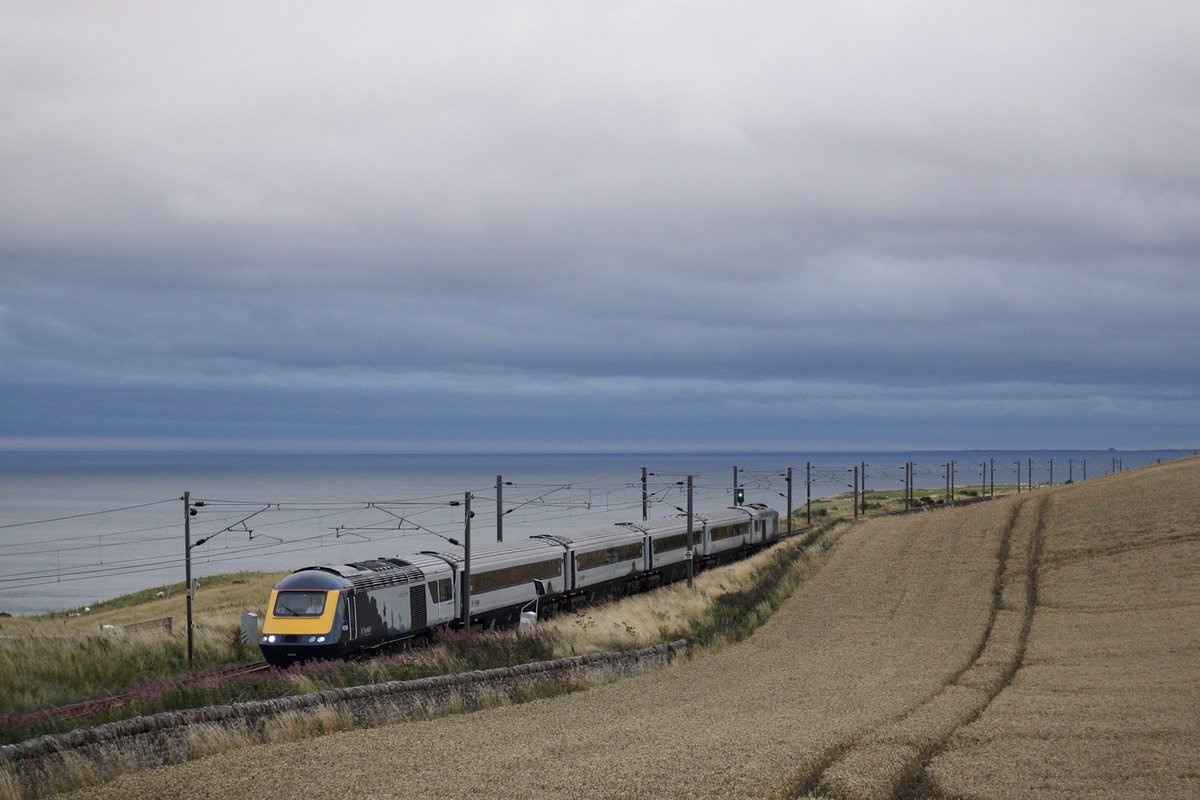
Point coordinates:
[[96, 705]]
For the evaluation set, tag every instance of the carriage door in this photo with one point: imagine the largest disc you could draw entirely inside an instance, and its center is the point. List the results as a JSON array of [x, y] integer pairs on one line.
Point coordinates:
[[349, 617], [441, 592]]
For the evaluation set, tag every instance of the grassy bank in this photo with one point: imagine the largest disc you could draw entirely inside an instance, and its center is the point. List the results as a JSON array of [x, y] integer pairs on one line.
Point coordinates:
[[220, 602]]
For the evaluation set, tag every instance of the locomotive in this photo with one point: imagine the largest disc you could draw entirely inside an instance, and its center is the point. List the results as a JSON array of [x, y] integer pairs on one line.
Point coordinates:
[[337, 610]]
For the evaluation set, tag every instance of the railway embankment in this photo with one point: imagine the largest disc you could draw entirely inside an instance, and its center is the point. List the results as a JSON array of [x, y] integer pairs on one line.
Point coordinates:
[[43, 765]]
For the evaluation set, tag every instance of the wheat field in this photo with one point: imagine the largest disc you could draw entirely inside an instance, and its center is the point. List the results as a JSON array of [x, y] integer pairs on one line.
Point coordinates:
[[1042, 645], [1107, 700]]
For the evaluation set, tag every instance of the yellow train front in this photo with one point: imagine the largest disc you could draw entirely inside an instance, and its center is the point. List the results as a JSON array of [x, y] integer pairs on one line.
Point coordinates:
[[306, 618], [333, 610]]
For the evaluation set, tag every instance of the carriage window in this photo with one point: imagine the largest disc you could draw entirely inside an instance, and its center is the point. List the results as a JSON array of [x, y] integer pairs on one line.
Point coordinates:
[[729, 531], [612, 555], [678, 542], [300, 604], [515, 576]]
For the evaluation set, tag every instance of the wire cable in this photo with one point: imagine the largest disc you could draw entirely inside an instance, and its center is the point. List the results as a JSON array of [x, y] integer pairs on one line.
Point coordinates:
[[89, 514]]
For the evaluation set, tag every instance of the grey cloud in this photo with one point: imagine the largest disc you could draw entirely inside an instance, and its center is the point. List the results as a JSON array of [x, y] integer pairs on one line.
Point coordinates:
[[858, 125], [905, 198]]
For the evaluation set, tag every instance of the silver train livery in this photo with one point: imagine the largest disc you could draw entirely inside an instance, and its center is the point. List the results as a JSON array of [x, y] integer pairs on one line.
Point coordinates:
[[337, 610]]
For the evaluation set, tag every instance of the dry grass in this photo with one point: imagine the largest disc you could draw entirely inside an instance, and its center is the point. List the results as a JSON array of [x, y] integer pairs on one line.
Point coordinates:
[[664, 614], [297, 726], [64, 658], [220, 603], [8, 786], [207, 740], [291, 726]]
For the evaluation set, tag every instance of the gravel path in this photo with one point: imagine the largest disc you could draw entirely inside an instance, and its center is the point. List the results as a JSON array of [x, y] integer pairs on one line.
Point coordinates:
[[899, 609]]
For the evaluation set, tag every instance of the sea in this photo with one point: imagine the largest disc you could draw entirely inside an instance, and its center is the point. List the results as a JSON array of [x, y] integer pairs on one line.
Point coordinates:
[[77, 528]]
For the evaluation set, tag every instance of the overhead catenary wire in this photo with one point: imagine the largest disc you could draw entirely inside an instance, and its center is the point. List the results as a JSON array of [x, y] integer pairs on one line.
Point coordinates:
[[325, 508], [89, 514], [53, 545], [122, 566], [544, 504], [134, 566]]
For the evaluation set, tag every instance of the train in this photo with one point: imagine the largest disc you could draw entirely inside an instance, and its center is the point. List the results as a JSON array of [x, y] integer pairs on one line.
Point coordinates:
[[341, 610]]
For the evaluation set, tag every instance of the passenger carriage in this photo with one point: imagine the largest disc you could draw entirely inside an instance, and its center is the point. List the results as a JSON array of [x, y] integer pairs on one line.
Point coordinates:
[[667, 543], [732, 531], [506, 577], [602, 562]]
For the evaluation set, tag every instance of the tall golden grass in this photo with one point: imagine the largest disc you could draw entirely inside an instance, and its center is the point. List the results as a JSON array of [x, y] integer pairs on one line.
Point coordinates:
[[9, 788], [64, 658], [669, 612], [220, 602]]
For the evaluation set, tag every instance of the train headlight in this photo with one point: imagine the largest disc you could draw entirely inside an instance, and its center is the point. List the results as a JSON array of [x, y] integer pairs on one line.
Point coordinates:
[[269, 639], [320, 639]]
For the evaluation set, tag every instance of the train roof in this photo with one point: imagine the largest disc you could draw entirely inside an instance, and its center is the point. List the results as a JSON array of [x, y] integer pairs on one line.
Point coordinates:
[[313, 579], [416, 567], [362, 574], [619, 533], [626, 531], [732, 514], [662, 525], [501, 554]]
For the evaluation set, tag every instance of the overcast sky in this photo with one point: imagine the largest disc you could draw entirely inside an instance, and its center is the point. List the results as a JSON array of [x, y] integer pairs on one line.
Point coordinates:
[[549, 225]]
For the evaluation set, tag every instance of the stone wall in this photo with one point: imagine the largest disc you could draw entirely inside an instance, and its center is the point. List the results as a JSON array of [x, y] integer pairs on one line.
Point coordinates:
[[50, 763]]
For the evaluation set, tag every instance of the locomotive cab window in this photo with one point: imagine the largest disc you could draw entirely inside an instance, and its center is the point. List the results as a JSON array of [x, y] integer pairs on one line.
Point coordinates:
[[300, 604], [441, 591]]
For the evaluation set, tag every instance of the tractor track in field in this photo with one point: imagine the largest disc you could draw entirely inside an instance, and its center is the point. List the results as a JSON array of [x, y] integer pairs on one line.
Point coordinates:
[[890, 761], [919, 785]]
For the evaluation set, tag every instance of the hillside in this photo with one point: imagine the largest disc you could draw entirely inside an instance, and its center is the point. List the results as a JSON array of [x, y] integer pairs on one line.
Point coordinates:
[[1042, 645]]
